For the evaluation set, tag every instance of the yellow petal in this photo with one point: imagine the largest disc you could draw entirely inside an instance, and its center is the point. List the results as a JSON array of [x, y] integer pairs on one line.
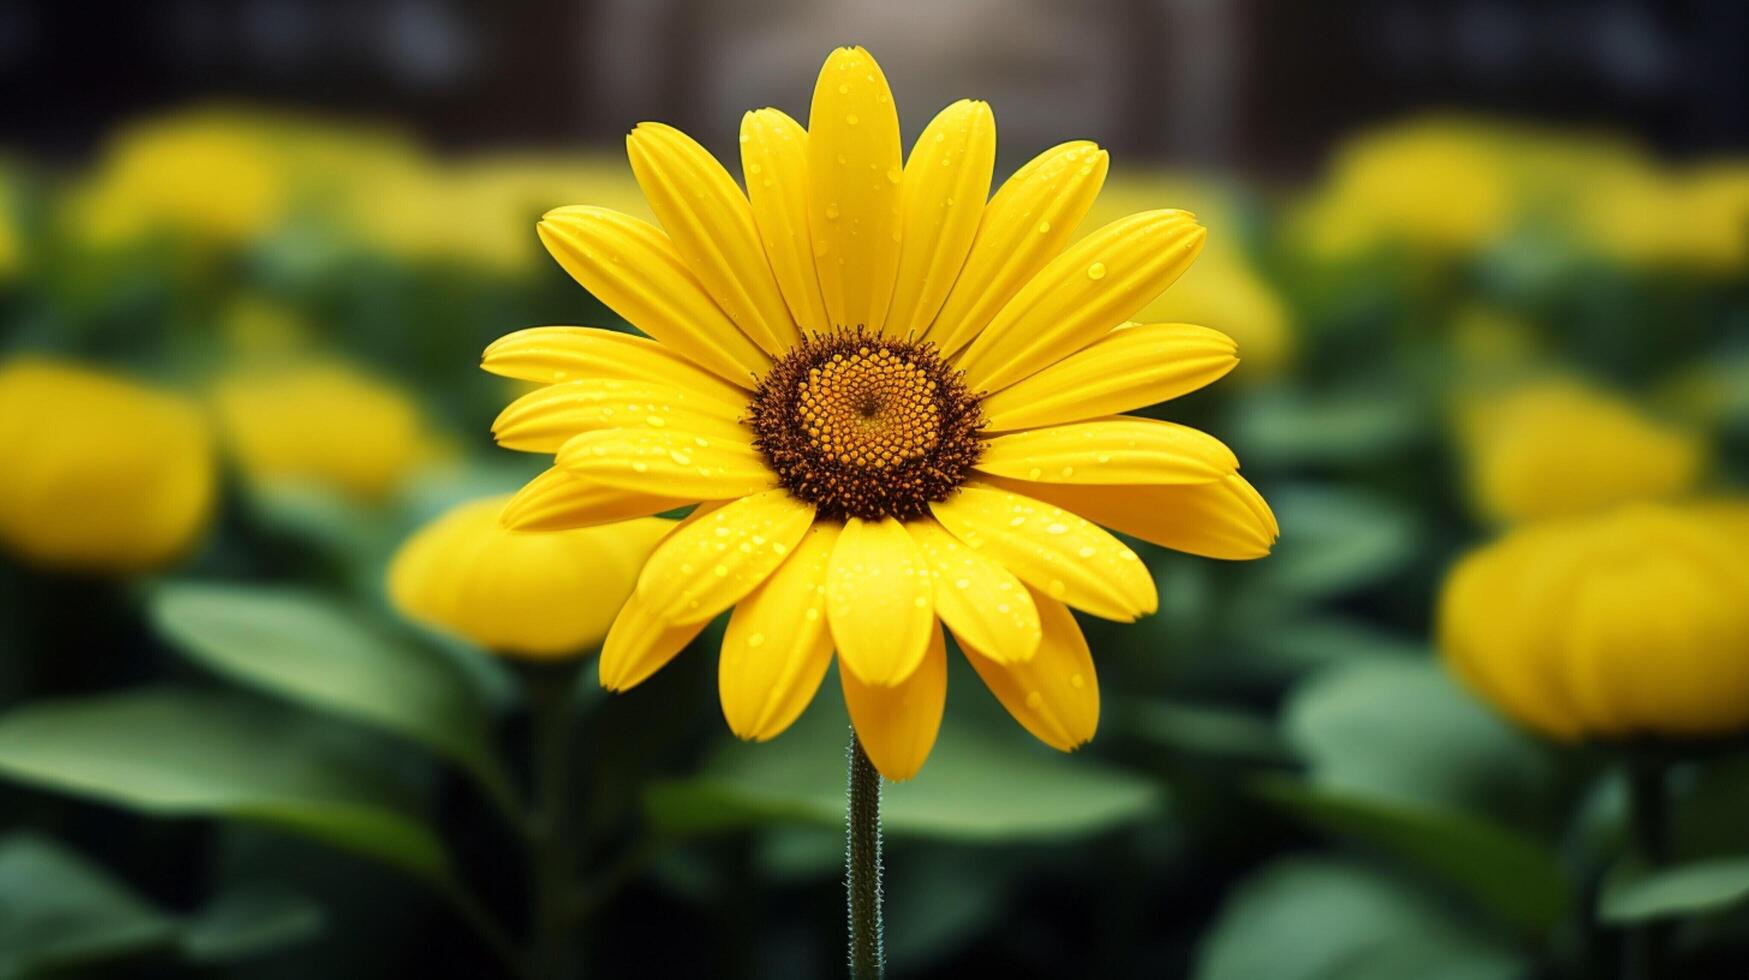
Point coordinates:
[[853, 183], [982, 602], [774, 163], [1132, 367], [897, 724], [1117, 450], [557, 501], [709, 564], [777, 647], [712, 227], [542, 420], [549, 355], [946, 181], [1055, 695], [1033, 215], [1097, 284], [879, 601], [631, 266], [1054, 551], [1224, 519], [668, 462], [639, 644]]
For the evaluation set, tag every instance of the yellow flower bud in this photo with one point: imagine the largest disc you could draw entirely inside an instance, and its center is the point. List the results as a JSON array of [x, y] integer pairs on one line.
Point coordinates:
[[321, 423], [1559, 448], [1630, 623], [102, 475], [535, 594]]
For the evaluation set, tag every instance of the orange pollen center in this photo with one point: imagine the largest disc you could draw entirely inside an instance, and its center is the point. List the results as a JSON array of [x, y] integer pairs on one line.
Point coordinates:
[[870, 408]]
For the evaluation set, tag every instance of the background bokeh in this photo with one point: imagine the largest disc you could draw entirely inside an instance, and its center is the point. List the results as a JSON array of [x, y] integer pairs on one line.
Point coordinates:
[[1487, 265]]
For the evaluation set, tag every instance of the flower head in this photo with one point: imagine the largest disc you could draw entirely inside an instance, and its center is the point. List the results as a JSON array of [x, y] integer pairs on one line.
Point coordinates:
[[519, 593], [1627, 624], [102, 474], [896, 404]]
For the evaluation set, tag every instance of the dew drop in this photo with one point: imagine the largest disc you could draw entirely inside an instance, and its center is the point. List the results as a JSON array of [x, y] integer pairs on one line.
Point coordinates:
[[1057, 589], [758, 640], [851, 119], [1096, 270]]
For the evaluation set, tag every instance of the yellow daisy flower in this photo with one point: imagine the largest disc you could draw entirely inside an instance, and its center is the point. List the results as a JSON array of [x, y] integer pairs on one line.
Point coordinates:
[[898, 404]]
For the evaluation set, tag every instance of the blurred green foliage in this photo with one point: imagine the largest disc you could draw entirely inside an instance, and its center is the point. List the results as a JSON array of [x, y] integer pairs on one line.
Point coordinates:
[[273, 776]]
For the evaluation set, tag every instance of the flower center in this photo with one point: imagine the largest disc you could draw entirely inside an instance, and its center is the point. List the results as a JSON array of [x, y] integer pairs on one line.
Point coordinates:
[[865, 426]]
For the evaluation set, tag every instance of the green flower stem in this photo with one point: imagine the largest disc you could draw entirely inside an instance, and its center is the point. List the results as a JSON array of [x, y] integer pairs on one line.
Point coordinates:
[[1645, 948], [862, 860], [550, 688]]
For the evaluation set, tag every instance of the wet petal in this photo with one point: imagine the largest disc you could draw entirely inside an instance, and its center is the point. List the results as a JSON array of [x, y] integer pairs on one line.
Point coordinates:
[[544, 419], [853, 181], [709, 564], [1055, 695], [1224, 519], [777, 647], [1100, 282], [558, 501], [639, 644], [1119, 450], [667, 461], [549, 355], [1033, 215], [631, 266], [982, 602], [1062, 555], [711, 225], [879, 600], [774, 163], [1132, 367], [897, 724], [946, 181]]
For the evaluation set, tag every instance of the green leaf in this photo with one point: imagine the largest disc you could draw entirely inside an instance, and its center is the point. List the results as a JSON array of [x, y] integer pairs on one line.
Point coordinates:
[[188, 754], [1221, 733], [1320, 919], [1336, 542], [58, 911], [315, 652], [248, 921], [1285, 427], [1513, 875], [982, 784], [1401, 730], [1634, 893]]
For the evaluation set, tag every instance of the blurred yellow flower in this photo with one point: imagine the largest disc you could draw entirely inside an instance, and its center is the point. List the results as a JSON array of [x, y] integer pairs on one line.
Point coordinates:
[[1223, 290], [489, 205], [208, 174], [1630, 623], [1559, 448], [228, 176], [522, 593], [102, 474], [321, 422], [1437, 184], [1693, 219]]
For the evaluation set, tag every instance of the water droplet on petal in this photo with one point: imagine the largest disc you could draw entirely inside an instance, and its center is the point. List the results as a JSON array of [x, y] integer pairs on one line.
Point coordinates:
[[1096, 270]]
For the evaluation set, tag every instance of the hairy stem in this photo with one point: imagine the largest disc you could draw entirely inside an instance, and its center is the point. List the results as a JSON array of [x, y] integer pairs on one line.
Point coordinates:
[[862, 865]]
